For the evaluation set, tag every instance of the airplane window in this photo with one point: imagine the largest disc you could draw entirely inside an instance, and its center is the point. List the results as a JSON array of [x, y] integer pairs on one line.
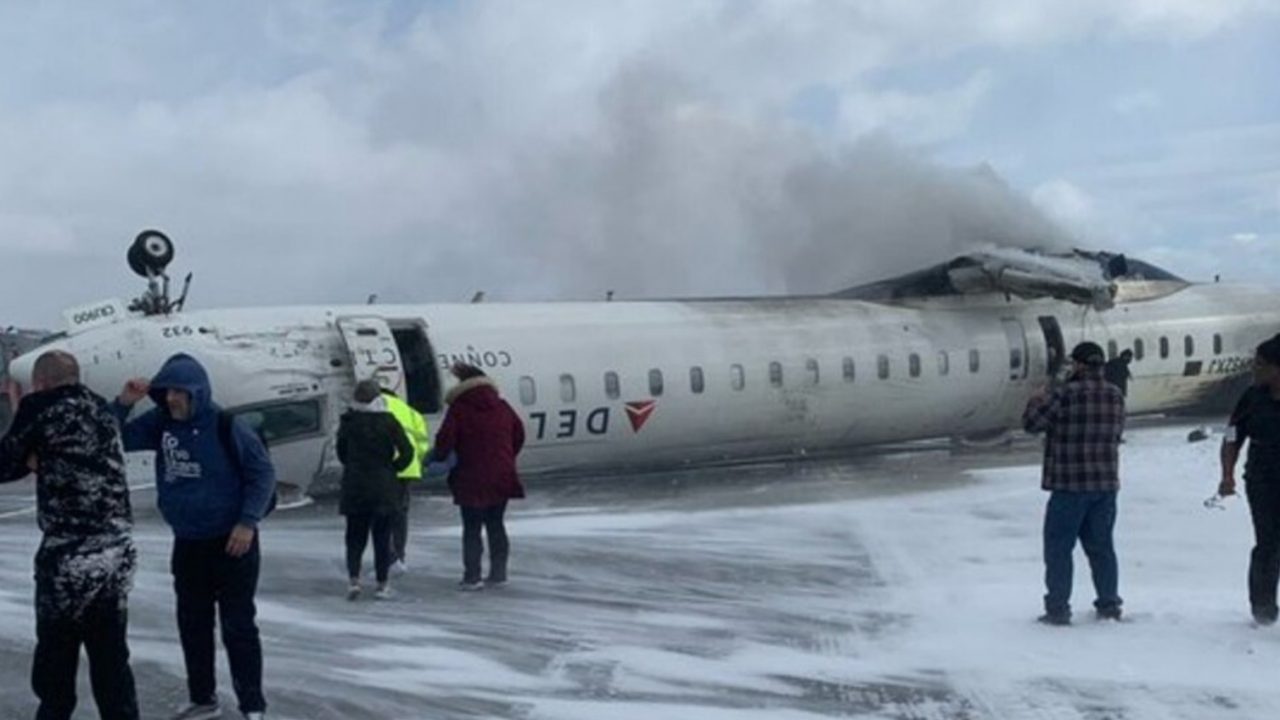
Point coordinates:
[[737, 377], [655, 382], [913, 364], [849, 369], [568, 391], [811, 369], [1217, 344], [775, 374], [281, 422], [1164, 347], [882, 367], [528, 390], [1188, 346], [1112, 350], [1139, 349], [944, 363], [612, 388], [975, 359], [695, 380]]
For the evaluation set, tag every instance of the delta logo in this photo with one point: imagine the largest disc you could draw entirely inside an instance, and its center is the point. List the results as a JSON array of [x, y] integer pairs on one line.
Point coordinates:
[[639, 412]]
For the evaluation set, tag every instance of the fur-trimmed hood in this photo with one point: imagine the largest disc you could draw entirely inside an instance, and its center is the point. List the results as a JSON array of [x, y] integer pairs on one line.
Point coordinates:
[[466, 386]]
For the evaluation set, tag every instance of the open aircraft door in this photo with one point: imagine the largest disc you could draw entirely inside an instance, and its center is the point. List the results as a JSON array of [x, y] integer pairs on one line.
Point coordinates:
[[373, 352]]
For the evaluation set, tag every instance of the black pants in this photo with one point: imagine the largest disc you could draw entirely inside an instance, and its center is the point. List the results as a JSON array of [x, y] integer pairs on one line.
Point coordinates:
[[489, 518], [359, 527], [400, 525], [1264, 563], [103, 631], [205, 576]]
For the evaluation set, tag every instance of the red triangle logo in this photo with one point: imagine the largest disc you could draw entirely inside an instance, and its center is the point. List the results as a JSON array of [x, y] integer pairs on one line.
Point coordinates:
[[638, 413]]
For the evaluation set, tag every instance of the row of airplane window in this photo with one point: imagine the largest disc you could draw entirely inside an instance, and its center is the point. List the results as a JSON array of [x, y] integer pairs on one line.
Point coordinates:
[[737, 374], [1188, 347]]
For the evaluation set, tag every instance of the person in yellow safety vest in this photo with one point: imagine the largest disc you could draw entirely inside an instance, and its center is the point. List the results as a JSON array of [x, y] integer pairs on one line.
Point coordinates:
[[415, 428]]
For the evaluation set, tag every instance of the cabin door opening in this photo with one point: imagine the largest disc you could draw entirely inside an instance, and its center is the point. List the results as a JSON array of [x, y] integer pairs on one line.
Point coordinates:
[[421, 373], [1055, 350]]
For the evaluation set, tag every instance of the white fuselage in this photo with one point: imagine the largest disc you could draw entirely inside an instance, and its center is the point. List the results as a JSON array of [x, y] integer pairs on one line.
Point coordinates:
[[605, 385]]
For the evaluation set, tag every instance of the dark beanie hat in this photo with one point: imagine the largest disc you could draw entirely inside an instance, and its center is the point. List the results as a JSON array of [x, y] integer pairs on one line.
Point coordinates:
[[1089, 353]]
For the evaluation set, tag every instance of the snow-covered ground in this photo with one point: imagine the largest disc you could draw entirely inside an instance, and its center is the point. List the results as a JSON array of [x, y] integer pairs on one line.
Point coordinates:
[[899, 586]]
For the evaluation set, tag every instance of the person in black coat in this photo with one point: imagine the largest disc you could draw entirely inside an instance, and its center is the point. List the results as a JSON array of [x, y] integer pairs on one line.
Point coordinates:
[[373, 450], [84, 568]]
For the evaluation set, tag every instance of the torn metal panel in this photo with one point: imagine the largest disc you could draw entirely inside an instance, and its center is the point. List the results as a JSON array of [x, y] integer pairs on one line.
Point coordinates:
[[1094, 279]]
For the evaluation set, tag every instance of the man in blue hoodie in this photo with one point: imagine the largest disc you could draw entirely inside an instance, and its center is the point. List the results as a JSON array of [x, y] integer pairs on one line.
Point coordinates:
[[212, 491]]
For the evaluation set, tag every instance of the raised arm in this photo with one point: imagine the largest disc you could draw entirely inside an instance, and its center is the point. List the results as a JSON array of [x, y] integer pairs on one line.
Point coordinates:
[[18, 446]]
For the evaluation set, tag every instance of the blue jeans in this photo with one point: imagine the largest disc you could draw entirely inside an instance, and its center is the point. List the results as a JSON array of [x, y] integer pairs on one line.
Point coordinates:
[[1091, 517]]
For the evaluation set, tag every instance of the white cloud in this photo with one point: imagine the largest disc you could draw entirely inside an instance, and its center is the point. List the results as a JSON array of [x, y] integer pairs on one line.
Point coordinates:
[[1065, 202], [916, 118], [480, 140]]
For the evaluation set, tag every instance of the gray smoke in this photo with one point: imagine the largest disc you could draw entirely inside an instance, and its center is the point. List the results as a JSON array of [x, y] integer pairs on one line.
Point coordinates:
[[673, 196]]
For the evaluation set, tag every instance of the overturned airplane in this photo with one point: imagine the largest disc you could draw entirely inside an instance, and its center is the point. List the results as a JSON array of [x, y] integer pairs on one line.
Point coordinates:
[[953, 350]]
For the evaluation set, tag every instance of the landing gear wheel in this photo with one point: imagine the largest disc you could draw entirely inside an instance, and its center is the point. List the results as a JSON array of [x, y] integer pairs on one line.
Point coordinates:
[[150, 253]]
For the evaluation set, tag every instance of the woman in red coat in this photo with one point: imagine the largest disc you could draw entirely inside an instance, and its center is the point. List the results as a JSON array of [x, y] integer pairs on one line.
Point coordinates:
[[485, 434]]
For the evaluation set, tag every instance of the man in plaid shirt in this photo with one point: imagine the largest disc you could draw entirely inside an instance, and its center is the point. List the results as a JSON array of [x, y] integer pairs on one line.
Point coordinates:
[[1083, 419]]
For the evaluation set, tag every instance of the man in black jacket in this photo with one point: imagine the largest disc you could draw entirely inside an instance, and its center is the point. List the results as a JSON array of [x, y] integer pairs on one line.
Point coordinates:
[[85, 564], [1257, 419]]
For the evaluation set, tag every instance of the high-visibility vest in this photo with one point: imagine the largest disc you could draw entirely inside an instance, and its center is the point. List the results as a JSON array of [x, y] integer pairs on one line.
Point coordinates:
[[415, 428]]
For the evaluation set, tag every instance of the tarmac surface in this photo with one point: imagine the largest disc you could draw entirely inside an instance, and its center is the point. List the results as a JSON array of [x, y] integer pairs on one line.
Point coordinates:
[[787, 590]]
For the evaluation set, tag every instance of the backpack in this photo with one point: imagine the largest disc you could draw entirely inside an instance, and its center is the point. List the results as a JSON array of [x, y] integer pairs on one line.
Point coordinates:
[[226, 439]]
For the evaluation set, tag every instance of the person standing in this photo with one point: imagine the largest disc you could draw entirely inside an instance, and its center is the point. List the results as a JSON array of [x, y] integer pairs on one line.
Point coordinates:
[[1083, 420], [84, 568], [415, 429], [1256, 418], [1116, 371], [214, 484], [373, 449], [484, 435]]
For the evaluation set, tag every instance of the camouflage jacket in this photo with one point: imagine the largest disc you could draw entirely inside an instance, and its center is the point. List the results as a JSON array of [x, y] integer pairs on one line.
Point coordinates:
[[82, 497]]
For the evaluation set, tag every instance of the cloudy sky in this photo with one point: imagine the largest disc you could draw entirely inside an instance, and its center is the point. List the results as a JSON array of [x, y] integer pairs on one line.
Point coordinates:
[[321, 151]]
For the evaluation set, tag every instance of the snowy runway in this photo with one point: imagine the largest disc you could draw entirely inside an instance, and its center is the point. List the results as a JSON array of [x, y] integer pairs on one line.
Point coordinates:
[[900, 586]]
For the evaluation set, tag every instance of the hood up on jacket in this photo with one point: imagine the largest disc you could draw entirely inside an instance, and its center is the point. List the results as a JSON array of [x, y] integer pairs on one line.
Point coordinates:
[[183, 372]]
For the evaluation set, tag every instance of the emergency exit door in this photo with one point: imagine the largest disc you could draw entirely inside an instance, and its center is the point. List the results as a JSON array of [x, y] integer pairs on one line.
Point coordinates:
[[371, 347]]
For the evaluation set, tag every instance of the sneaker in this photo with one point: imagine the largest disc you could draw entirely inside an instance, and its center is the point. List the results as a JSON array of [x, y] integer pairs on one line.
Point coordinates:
[[399, 568], [1108, 613], [382, 593], [1264, 619], [495, 582], [470, 585], [201, 711], [353, 591], [1054, 619]]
